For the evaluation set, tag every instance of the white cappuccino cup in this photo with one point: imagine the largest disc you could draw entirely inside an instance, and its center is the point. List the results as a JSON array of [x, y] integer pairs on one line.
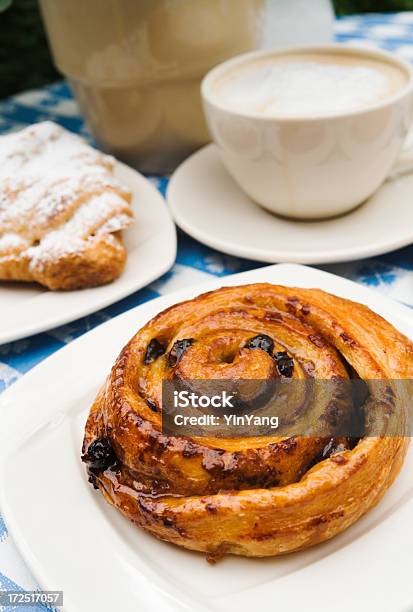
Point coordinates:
[[310, 132]]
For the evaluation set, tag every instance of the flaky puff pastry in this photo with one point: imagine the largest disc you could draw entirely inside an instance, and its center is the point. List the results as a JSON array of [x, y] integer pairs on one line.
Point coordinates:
[[253, 496], [61, 210]]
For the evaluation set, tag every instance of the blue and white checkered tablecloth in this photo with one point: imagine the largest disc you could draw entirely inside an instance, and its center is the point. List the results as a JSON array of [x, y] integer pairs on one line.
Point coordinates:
[[392, 274]]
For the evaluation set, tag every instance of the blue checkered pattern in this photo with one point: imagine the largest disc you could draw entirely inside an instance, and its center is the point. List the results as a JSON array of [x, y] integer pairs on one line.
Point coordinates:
[[392, 274]]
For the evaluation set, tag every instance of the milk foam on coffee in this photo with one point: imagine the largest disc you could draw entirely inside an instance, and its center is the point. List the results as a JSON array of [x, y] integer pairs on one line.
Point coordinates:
[[302, 85]]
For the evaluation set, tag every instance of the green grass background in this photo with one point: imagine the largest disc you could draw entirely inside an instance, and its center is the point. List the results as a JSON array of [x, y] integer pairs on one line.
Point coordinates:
[[25, 58]]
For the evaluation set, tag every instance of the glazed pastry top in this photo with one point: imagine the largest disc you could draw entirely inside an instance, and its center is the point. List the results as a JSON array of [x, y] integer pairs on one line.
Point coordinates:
[[314, 486]]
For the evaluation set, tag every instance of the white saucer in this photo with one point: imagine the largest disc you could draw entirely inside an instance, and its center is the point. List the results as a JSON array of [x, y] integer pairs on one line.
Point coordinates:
[[73, 540], [151, 243], [207, 204]]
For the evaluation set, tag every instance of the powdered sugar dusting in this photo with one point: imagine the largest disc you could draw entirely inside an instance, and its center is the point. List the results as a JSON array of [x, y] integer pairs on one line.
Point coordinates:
[[11, 242], [56, 193]]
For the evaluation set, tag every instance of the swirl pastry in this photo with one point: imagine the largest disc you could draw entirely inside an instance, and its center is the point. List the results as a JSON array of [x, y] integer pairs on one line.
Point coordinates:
[[61, 210], [253, 496]]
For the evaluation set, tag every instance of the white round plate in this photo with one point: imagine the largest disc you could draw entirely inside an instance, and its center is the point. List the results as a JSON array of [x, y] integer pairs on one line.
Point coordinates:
[[73, 540], [209, 206], [151, 244]]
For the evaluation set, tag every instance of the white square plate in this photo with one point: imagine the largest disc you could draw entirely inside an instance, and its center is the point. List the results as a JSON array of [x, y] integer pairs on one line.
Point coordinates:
[[151, 244], [73, 540]]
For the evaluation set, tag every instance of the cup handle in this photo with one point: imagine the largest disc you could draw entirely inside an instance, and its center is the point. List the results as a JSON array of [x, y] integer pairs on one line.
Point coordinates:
[[404, 162]]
